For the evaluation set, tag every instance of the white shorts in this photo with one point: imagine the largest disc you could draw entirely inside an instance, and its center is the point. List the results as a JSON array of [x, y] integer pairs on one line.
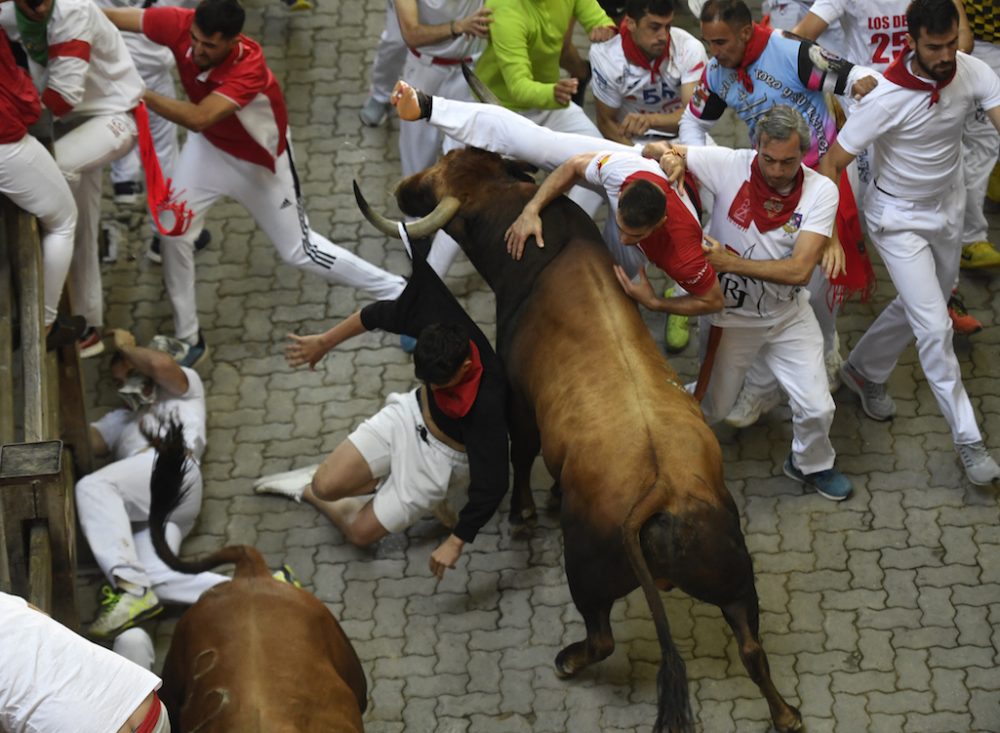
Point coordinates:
[[415, 470]]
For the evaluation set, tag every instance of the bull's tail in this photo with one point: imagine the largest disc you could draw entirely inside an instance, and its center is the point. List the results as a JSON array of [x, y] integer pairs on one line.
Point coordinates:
[[673, 713], [167, 492]]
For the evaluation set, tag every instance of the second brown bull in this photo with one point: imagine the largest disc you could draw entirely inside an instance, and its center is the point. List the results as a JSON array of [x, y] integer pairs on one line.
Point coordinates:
[[644, 501]]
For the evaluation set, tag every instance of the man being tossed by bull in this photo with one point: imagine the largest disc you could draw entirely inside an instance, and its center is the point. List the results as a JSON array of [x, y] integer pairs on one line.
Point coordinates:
[[448, 433], [654, 221], [774, 218]]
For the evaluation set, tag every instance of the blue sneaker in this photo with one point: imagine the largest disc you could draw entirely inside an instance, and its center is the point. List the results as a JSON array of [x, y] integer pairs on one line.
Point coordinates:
[[193, 353], [830, 484], [407, 343]]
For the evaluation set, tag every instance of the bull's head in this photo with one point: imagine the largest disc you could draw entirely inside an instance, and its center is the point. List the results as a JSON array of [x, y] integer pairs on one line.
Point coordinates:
[[462, 182]]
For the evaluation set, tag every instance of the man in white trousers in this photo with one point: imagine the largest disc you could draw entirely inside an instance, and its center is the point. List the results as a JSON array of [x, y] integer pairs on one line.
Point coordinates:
[[113, 499], [91, 86], [390, 55], [914, 210], [771, 221], [238, 146], [32, 180]]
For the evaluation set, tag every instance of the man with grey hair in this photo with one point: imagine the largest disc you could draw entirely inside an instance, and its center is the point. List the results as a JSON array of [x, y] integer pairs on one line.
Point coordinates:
[[770, 224]]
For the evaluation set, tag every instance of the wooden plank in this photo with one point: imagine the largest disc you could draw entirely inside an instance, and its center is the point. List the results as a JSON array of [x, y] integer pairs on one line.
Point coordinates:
[[40, 567], [74, 427], [18, 504], [5, 581], [24, 240], [6, 330], [60, 509]]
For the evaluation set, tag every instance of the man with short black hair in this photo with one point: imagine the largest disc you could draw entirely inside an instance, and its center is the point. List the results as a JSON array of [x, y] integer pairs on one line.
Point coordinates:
[[644, 77], [448, 434], [914, 211], [238, 146]]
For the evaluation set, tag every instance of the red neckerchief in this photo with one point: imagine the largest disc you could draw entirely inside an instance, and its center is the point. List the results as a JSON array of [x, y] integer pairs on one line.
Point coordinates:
[[148, 723], [160, 196], [755, 47], [456, 401], [635, 55], [758, 202], [899, 73]]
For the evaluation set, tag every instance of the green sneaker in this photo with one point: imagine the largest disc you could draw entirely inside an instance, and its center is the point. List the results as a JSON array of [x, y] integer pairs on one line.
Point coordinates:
[[678, 331], [121, 610], [285, 574]]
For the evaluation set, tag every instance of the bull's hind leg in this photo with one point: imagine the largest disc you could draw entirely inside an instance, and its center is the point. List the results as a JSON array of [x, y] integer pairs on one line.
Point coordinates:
[[742, 616], [597, 646]]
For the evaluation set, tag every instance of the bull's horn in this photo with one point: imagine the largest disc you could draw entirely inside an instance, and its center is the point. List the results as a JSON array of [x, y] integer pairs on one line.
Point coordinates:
[[482, 92], [419, 229]]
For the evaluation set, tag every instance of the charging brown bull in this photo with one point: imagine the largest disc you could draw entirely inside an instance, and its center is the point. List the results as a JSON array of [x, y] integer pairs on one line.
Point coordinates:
[[644, 501], [254, 655]]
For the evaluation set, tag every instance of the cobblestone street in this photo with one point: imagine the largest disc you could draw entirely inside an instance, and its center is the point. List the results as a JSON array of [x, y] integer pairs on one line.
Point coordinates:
[[881, 613]]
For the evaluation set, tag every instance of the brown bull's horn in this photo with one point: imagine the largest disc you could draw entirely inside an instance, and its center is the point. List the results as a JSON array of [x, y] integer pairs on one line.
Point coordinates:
[[419, 229], [482, 92]]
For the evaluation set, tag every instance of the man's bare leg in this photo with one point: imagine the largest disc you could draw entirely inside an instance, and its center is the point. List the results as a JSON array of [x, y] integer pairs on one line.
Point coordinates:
[[340, 491]]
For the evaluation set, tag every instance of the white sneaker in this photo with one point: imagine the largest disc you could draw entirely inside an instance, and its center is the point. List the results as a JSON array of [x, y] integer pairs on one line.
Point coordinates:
[[374, 112], [980, 468], [292, 484], [121, 610], [750, 405]]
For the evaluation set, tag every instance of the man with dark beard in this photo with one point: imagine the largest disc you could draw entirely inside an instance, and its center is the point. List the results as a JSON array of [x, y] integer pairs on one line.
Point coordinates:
[[914, 214]]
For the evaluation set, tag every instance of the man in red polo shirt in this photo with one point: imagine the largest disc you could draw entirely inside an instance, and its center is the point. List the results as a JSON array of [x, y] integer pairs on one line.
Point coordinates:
[[238, 147]]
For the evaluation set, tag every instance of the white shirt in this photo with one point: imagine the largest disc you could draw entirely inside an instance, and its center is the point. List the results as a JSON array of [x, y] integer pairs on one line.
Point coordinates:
[[628, 88], [122, 429], [917, 149], [874, 30], [748, 301], [89, 66], [54, 680], [438, 12]]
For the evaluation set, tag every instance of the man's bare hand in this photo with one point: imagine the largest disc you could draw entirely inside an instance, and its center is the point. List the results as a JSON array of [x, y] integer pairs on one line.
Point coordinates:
[[641, 292], [118, 339], [305, 350], [477, 24], [673, 165], [528, 224], [602, 33], [636, 124], [564, 90], [862, 86], [716, 254], [834, 259], [446, 555]]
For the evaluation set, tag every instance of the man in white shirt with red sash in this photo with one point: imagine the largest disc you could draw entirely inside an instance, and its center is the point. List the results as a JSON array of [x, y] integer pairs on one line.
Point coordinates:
[[238, 146], [914, 212], [770, 224]]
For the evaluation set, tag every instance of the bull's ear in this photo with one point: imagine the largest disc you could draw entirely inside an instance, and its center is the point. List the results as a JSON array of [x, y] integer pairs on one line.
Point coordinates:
[[521, 171]]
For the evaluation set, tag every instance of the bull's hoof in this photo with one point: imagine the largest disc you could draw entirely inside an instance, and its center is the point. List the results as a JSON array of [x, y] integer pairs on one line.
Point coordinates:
[[523, 523], [565, 668], [790, 723]]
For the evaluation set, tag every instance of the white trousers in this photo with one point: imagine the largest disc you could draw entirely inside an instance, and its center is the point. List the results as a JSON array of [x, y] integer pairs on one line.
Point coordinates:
[[390, 56], [32, 180], [112, 499], [919, 242], [980, 147], [205, 173], [81, 155], [545, 138], [792, 349], [419, 141], [163, 132]]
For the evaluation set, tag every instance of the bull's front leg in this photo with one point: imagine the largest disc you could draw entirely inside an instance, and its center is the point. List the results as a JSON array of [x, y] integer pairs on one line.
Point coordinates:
[[525, 443]]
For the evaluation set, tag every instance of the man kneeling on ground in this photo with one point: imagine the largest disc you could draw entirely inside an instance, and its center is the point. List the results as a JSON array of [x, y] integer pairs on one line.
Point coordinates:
[[448, 433]]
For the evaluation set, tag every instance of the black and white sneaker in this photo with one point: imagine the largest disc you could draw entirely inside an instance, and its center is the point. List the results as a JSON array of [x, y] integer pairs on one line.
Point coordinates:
[[153, 253], [128, 192]]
